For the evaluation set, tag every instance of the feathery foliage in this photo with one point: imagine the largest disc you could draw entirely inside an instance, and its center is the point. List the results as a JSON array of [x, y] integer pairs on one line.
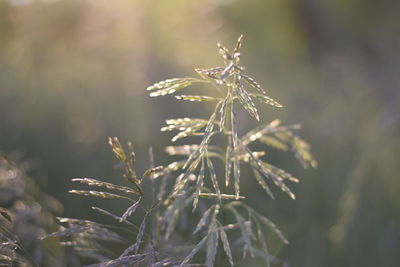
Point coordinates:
[[192, 186]]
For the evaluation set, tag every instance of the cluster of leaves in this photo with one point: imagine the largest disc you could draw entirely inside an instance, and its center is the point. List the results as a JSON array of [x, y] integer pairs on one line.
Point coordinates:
[[192, 185]]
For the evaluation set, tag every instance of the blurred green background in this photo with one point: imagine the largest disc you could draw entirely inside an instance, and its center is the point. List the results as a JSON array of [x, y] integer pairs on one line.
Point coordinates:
[[74, 72]]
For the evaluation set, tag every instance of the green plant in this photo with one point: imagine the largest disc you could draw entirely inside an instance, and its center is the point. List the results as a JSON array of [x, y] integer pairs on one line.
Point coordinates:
[[192, 185], [26, 213]]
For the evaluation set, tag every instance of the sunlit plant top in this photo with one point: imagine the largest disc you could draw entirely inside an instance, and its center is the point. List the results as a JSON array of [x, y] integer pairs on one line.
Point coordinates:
[[190, 195]]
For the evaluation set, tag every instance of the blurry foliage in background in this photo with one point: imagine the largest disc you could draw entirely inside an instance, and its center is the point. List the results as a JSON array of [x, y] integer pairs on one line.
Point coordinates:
[[71, 74], [26, 214]]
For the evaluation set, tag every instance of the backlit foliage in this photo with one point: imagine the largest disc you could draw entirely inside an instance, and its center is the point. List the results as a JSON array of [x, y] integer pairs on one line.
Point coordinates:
[[191, 194], [26, 213]]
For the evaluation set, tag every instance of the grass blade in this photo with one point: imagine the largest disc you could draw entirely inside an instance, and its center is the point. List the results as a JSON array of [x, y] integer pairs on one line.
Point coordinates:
[[228, 162], [235, 143], [194, 251], [253, 83], [197, 98], [94, 182], [213, 73], [212, 246], [102, 211], [260, 237], [67, 232], [213, 176], [199, 186], [227, 248], [244, 231], [121, 261], [220, 196], [263, 183], [129, 211], [245, 99], [224, 111], [170, 86], [98, 194], [135, 247], [273, 226], [203, 220], [273, 142], [266, 100]]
